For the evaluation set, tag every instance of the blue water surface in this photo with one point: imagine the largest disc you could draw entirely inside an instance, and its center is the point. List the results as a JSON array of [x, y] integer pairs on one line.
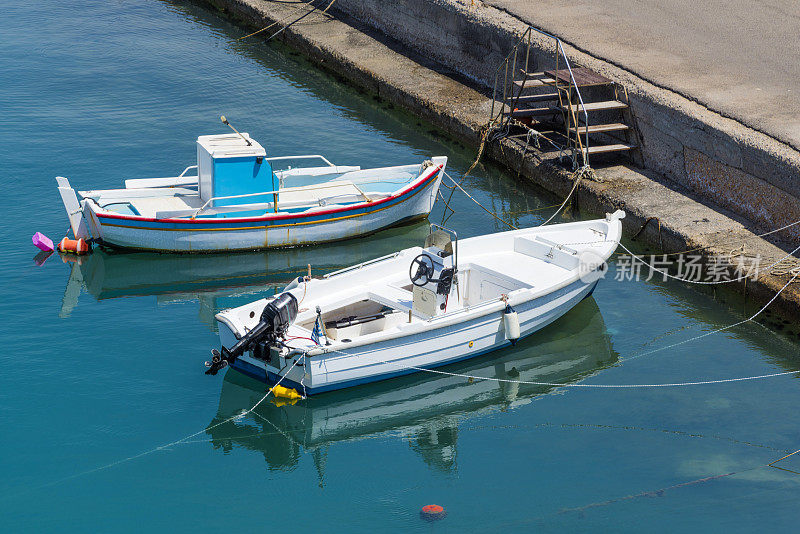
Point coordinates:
[[102, 360]]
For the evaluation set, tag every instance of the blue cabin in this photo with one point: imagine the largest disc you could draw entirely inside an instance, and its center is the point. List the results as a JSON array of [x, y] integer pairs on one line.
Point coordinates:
[[232, 165]]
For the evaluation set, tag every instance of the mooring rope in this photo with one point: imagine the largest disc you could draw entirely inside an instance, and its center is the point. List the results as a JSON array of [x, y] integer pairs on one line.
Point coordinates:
[[275, 23], [728, 327], [484, 208], [712, 282], [484, 135], [283, 20], [716, 243], [661, 491], [577, 176], [172, 443], [590, 386]]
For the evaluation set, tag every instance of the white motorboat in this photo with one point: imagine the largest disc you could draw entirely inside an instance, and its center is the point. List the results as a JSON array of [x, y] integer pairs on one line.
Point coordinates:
[[417, 309], [425, 409], [240, 199]]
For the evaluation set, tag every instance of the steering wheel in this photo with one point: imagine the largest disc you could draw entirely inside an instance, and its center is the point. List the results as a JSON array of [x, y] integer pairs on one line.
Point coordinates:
[[424, 272]]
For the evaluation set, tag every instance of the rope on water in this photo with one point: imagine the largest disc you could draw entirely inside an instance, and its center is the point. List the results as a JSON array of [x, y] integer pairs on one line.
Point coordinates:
[[484, 136], [716, 243], [795, 270], [577, 176], [661, 491], [282, 21], [728, 327], [176, 442], [598, 386], [484, 208]]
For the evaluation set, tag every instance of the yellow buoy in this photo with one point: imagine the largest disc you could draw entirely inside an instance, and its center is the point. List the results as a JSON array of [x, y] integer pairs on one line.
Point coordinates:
[[285, 393]]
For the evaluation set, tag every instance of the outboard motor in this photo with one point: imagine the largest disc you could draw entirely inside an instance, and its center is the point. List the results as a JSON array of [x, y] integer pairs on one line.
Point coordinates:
[[278, 314]]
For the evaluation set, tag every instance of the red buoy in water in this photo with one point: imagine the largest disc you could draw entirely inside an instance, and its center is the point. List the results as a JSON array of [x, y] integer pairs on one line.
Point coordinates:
[[432, 512], [76, 246]]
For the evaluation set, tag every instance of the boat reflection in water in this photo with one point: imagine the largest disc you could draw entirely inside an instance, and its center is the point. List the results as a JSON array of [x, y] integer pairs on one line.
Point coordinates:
[[424, 408], [218, 280]]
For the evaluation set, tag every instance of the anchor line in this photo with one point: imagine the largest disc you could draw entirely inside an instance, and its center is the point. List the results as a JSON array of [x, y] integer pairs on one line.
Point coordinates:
[[706, 282], [484, 208], [661, 491], [578, 175], [595, 386], [743, 321], [619, 386], [172, 443], [484, 136]]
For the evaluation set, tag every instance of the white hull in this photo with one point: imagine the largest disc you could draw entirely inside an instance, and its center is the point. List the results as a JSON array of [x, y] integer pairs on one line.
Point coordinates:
[[415, 407], [169, 215], [259, 235], [496, 270], [430, 349]]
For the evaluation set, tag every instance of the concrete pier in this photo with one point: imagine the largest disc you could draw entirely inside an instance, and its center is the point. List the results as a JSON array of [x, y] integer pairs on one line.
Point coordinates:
[[709, 180]]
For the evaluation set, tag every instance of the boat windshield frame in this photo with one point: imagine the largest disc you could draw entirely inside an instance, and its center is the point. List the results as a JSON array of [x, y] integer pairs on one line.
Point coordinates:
[[313, 157]]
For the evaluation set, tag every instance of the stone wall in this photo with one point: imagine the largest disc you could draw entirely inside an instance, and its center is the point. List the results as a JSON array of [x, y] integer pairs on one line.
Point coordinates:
[[720, 159]]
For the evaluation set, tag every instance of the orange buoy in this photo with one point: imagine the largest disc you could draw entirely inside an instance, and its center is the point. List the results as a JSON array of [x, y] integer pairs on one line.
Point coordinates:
[[76, 246], [432, 512]]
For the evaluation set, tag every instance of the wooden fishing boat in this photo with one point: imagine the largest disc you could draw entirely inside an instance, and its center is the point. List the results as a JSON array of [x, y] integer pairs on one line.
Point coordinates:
[[417, 309], [240, 199]]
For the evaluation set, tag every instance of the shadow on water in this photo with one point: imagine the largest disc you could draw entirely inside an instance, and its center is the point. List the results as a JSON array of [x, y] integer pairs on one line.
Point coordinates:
[[108, 274], [424, 409]]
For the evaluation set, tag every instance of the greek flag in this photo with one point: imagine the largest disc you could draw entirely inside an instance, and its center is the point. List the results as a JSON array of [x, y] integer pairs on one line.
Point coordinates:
[[317, 332]]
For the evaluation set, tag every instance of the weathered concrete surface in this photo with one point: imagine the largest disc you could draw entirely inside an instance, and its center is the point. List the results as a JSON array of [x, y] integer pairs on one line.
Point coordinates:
[[371, 62], [738, 57], [720, 159]]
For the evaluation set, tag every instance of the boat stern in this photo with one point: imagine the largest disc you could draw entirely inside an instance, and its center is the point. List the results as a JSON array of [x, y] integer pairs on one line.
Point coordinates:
[[75, 209]]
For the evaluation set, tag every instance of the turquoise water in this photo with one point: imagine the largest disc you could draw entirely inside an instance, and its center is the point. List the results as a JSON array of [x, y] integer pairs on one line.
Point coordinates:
[[103, 359]]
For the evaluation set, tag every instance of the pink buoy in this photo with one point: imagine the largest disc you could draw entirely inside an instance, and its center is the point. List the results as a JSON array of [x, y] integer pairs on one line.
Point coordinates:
[[43, 242]]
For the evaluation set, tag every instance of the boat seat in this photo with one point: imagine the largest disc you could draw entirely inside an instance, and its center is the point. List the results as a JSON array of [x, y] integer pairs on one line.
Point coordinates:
[[328, 190], [394, 297], [150, 207], [547, 251], [177, 181]]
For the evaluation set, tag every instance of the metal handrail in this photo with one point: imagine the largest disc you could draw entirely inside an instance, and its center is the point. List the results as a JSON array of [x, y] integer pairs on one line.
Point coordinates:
[[187, 170], [584, 151], [275, 192], [360, 265], [497, 73], [583, 147], [307, 156]]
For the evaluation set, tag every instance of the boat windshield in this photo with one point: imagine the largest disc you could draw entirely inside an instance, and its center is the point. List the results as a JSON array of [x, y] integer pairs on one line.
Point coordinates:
[[284, 163]]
